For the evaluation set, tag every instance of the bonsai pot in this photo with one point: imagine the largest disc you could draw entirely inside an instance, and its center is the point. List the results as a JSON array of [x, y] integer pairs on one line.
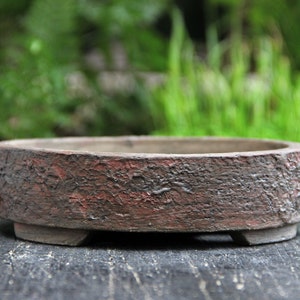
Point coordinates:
[[59, 190]]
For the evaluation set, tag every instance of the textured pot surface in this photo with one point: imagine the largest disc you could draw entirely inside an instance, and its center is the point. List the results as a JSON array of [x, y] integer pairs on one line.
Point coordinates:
[[150, 183]]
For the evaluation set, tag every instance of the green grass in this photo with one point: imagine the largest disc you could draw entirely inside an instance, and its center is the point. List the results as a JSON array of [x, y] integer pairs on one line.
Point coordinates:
[[239, 89]]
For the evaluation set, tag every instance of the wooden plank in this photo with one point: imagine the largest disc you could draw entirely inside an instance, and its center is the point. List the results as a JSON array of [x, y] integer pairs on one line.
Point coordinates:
[[148, 266]]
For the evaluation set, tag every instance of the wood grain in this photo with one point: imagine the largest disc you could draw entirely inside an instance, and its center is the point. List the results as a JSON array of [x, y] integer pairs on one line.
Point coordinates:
[[119, 266]]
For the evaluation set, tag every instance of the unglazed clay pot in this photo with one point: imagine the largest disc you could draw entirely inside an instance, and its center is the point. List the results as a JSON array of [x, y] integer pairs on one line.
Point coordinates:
[[58, 190]]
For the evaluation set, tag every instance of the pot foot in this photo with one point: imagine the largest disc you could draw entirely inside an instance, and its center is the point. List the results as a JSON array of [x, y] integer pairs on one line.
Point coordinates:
[[264, 236], [51, 235]]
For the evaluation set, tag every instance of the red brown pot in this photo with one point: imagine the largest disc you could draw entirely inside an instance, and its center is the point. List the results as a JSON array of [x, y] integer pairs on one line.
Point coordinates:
[[58, 190]]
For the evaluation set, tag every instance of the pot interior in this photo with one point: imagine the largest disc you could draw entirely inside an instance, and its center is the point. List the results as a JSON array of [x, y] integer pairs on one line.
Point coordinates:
[[169, 145]]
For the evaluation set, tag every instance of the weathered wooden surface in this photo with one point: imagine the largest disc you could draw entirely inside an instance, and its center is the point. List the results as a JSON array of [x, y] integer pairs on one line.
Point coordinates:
[[148, 266], [150, 192]]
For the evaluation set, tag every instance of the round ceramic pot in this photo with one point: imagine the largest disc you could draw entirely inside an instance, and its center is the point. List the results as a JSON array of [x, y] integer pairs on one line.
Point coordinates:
[[58, 190]]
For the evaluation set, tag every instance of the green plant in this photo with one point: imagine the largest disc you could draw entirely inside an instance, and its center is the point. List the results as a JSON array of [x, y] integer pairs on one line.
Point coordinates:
[[128, 22], [254, 18], [240, 89], [43, 48], [33, 90], [245, 83]]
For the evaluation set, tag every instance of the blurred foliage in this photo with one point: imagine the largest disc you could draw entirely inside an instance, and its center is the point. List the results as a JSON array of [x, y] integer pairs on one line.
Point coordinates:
[[44, 43], [50, 84], [249, 90], [254, 18]]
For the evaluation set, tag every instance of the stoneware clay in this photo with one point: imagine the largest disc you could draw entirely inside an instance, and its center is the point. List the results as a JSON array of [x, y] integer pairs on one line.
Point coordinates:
[[57, 191]]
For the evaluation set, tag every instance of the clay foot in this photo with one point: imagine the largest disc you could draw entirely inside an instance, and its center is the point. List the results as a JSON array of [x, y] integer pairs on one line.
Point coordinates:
[[51, 235], [264, 236]]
